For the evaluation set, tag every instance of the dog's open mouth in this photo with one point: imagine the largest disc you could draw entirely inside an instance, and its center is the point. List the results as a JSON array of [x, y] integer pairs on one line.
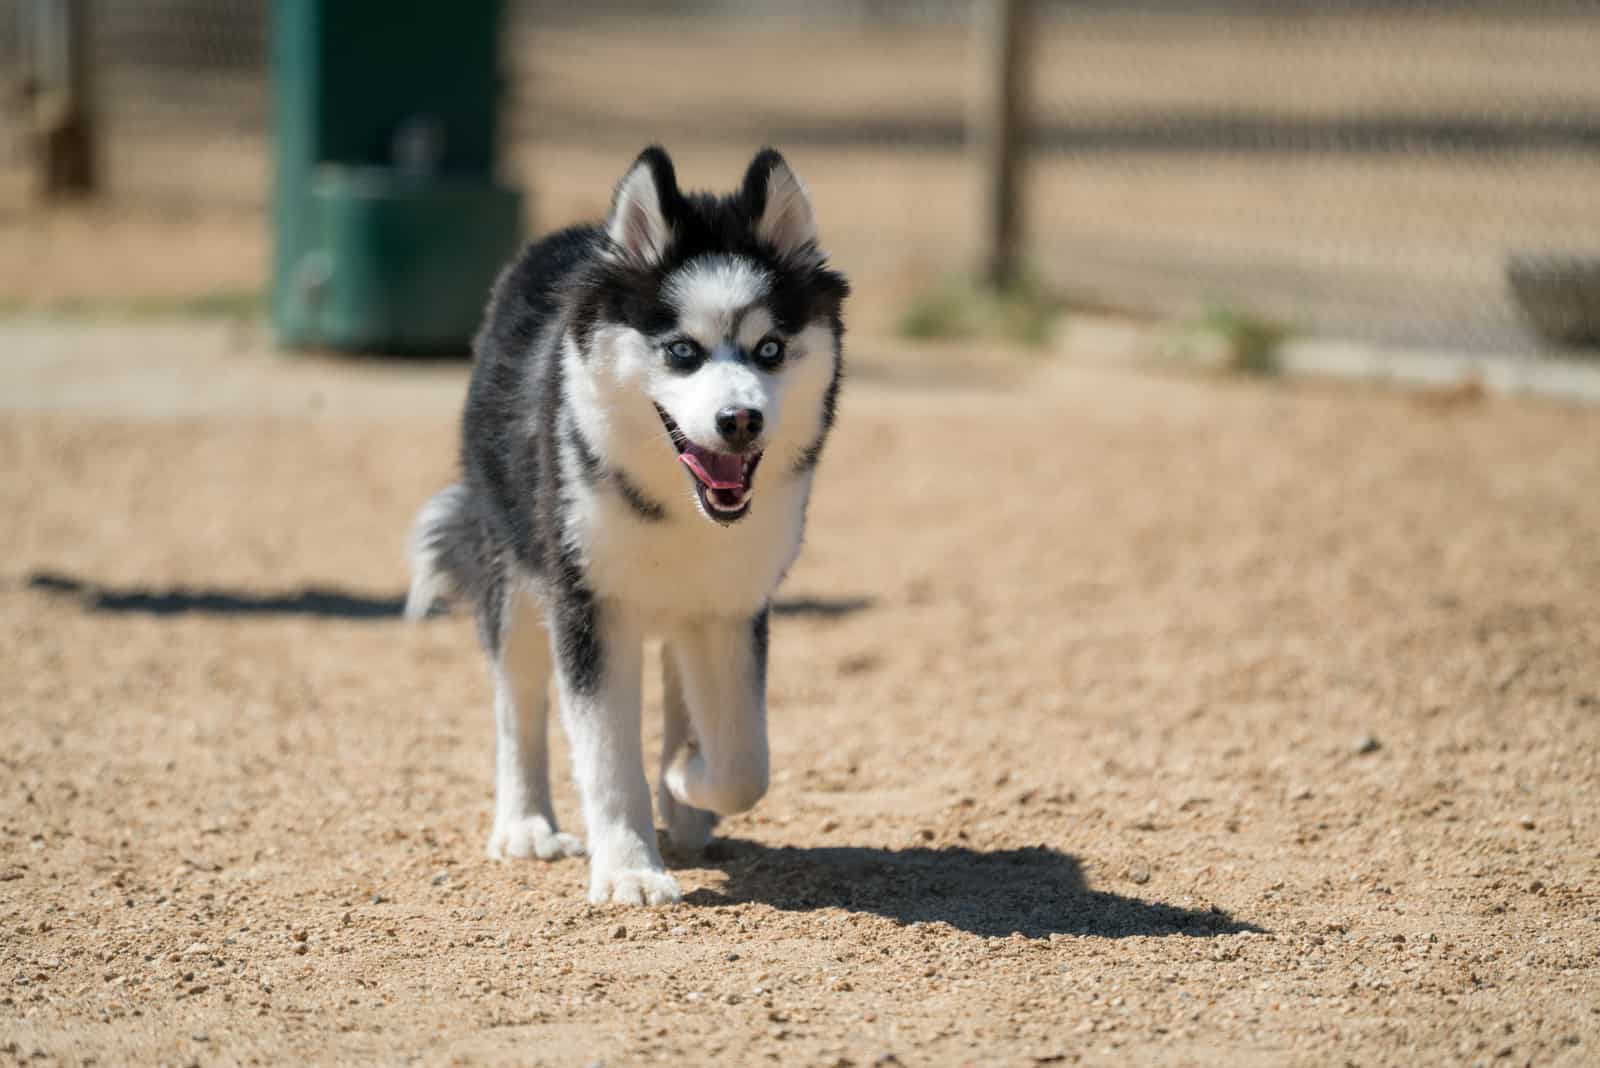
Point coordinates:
[[722, 479]]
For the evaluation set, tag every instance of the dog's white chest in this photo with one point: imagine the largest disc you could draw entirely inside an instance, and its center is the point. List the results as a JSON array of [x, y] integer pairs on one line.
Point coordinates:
[[684, 566]]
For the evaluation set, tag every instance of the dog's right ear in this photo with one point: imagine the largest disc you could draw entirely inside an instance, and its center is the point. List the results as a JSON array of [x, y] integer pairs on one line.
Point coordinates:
[[643, 209]]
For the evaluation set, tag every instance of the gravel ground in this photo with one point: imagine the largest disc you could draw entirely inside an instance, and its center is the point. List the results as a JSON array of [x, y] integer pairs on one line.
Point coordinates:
[[1117, 719]]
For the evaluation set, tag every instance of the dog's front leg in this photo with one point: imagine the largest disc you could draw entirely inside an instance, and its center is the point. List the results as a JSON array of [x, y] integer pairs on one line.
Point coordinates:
[[524, 821], [722, 667], [598, 664]]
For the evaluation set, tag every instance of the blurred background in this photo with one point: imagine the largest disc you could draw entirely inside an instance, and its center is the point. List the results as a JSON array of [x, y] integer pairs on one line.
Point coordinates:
[[1360, 168]]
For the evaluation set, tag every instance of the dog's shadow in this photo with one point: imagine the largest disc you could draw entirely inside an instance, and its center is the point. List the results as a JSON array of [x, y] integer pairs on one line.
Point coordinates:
[[318, 602], [1034, 891]]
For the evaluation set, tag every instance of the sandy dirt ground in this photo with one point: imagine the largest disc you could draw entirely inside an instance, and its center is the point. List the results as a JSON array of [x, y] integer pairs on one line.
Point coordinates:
[[1117, 719]]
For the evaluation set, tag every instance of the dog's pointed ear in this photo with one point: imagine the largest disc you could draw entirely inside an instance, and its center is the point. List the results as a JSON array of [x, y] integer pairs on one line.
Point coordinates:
[[643, 208], [780, 206]]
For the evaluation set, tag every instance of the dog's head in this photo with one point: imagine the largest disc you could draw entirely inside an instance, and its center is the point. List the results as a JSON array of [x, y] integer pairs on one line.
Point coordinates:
[[709, 329]]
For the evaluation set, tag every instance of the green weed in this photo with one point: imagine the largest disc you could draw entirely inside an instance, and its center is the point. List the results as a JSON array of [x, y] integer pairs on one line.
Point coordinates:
[[961, 308]]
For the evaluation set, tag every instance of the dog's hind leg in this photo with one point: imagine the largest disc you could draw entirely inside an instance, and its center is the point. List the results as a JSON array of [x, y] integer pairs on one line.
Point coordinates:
[[688, 827], [722, 664], [524, 819]]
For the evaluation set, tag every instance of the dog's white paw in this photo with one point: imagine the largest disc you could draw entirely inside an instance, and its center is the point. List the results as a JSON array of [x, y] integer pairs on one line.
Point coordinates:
[[532, 836], [633, 886], [688, 828]]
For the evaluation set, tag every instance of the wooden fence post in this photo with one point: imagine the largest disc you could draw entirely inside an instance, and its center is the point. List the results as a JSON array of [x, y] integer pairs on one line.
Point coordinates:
[[63, 112], [1005, 30]]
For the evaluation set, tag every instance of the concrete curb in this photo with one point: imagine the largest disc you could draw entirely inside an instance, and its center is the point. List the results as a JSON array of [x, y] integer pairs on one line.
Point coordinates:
[[1107, 340], [1570, 380]]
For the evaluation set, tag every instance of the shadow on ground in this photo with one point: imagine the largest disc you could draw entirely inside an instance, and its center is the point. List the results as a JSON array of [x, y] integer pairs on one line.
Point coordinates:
[[330, 604], [1034, 891], [820, 607], [333, 604]]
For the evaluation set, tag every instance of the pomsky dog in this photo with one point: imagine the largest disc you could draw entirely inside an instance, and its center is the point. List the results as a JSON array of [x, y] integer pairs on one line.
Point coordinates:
[[648, 404]]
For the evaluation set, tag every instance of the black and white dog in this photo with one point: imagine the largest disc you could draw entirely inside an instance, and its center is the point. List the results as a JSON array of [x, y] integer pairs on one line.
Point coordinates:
[[647, 407]]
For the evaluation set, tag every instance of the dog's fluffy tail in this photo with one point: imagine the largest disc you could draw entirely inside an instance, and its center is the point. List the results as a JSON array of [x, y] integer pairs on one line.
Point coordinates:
[[440, 538]]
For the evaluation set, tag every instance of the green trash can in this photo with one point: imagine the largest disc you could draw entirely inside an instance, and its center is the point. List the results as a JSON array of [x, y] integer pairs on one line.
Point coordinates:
[[389, 225]]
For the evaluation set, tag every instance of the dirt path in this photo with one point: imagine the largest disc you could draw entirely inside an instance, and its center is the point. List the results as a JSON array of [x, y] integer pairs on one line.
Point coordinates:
[[1117, 720]]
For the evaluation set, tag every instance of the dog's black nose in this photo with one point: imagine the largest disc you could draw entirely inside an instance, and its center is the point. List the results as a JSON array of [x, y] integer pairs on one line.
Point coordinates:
[[739, 426]]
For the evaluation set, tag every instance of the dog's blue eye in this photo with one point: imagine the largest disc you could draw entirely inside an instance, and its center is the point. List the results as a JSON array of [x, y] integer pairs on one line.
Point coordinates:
[[769, 352], [683, 355]]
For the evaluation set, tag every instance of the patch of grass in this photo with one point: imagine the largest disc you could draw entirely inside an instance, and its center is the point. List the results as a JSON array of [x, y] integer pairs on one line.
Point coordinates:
[[234, 304], [215, 304], [1250, 342], [959, 308]]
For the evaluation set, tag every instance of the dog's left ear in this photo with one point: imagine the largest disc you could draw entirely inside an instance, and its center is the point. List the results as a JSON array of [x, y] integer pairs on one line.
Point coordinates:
[[780, 206]]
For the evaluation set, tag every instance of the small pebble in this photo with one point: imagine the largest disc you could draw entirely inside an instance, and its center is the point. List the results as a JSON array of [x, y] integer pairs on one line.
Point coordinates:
[[619, 931], [1365, 744], [1527, 823]]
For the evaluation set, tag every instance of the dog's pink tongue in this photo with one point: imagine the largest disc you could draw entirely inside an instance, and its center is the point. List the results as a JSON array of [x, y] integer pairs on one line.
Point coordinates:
[[715, 470]]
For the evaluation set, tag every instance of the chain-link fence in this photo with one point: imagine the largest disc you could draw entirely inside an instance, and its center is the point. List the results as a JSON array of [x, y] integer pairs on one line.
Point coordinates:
[[1355, 167]]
